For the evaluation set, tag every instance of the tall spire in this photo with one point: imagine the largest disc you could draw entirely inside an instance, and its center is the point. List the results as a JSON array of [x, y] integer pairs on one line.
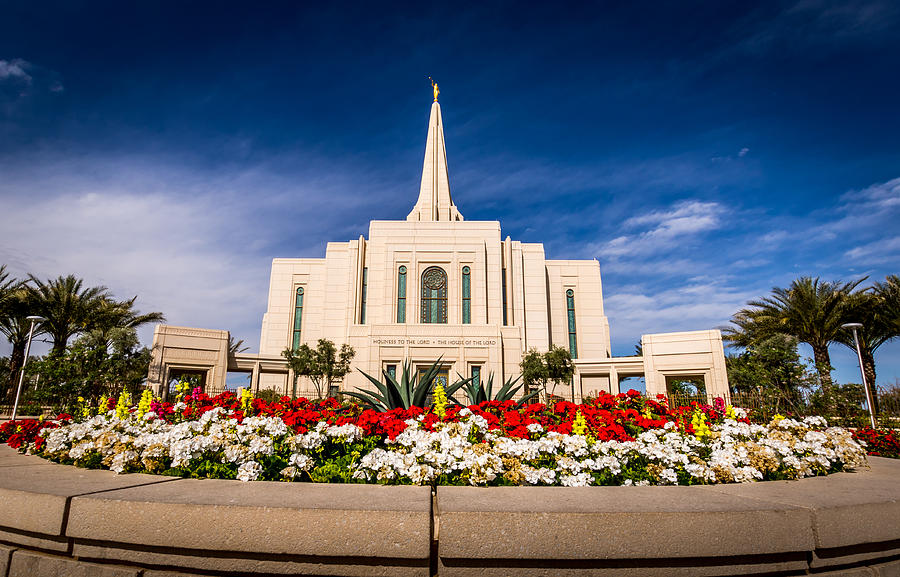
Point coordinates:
[[434, 202]]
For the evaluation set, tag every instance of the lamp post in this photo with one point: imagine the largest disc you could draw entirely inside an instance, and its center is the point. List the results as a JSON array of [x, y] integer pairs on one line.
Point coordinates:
[[34, 319], [853, 327]]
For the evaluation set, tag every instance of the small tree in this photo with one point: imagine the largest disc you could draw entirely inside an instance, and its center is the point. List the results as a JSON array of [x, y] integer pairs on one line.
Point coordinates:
[[94, 365], [534, 371], [553, 367], [323, 365]]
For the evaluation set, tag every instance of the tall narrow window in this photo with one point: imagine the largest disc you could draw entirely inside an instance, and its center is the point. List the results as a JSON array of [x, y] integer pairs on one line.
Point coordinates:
[[504, 297], [570, 312], [401, 295], [392, 371], [362, 306], [476, 375], [434, 295], [298, 318], [466, 295]]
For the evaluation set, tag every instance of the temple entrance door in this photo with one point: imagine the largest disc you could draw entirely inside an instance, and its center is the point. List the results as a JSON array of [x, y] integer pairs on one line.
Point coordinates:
[[194, 377]]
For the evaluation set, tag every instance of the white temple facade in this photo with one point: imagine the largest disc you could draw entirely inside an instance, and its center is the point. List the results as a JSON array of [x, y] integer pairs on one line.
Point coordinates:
[[436, 286]]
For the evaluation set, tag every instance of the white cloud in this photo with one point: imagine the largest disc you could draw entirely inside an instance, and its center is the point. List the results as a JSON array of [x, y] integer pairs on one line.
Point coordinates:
[[193, 243], [880, 251], [14, 69], [861, 216], [700, 305], [774, 237], [685, 219], [180, 256], [880, 196], [820, 24], [743, 152]]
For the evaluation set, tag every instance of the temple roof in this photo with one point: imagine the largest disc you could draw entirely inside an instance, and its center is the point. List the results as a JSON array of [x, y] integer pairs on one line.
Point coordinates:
[[435, 203]]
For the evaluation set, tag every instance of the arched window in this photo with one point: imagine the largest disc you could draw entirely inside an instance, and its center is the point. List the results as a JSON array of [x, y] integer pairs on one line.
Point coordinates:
[[401, 295], [466, 295], [298, 318], [434, 295], [570, 313]]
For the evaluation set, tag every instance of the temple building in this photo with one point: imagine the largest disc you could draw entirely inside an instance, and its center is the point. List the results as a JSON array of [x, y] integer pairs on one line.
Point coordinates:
[[437, 286]]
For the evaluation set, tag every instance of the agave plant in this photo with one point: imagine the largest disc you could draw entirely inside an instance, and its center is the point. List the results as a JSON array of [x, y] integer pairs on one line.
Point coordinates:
[[402, 393], [479, 392]]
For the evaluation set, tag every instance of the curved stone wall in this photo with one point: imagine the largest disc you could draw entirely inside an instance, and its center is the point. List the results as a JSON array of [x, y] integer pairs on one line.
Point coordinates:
[[58, 520]]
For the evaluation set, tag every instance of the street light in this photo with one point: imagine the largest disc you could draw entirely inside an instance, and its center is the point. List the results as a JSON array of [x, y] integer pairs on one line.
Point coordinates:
[[34, 319], [853, 327]]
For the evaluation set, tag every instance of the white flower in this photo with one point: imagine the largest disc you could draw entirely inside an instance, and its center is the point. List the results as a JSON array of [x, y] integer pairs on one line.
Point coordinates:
[[122, 460], [579, 480], [261, 446], [345, 433], [301, 461], [249, 471], [669, 476]]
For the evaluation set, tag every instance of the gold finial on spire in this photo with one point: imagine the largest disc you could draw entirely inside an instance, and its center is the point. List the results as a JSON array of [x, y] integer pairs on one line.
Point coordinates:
[[434, 88]]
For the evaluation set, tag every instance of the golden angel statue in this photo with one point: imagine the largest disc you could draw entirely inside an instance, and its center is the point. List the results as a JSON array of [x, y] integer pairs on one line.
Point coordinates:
[[434, 88]]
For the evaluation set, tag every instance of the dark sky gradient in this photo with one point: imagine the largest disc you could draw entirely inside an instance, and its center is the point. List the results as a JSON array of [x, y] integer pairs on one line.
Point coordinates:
[[703, 152]]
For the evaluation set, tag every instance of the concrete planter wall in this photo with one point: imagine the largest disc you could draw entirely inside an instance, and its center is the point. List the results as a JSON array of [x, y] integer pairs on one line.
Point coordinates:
[[57, 520]]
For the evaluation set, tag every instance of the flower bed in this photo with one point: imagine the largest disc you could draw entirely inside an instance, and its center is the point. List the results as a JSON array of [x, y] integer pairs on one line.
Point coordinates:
[[610, 440], [879, 442]]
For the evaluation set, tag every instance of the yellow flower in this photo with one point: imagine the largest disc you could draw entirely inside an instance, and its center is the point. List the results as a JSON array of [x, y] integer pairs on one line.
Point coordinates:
[[246, 396], [579, 425], [439, 404], [701, 429], [777, 418], [729, 412], [122, 406], [144, 403], [181, 388]]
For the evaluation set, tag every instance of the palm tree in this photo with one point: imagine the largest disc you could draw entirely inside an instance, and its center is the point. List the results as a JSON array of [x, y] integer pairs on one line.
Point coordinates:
[[110, 315], [750, 328], [15, 326], [7, 287], [67, 308], [889, 294], [878, 310], [810, 310], [236, 347]]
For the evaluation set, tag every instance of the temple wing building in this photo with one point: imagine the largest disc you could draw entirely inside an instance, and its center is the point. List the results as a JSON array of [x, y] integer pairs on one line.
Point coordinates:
[[438, 287]]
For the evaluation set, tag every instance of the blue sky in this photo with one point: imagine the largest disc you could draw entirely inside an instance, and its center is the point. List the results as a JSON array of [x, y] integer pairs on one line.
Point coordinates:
[[702, 152]]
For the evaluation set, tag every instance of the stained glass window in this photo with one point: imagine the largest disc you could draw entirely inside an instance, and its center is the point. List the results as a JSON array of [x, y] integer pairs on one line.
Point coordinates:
[[401, 295], [362, 306], [434, 295], [570, 313], [476, 374], [504, 298], [442, 378], [466, 295], [298, 318]]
